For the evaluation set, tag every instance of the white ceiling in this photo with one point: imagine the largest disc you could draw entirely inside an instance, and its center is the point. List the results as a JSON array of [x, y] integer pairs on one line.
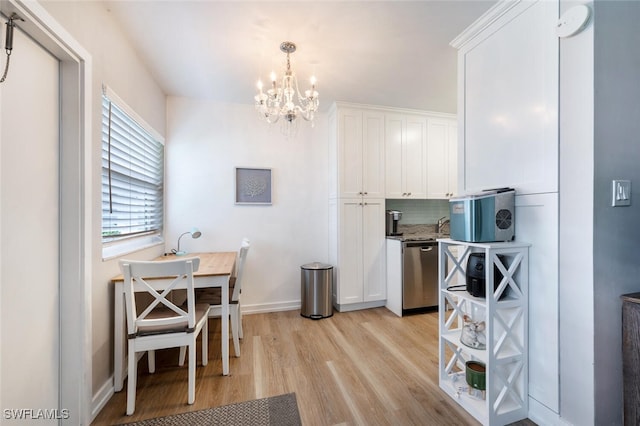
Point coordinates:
[[393, 53]]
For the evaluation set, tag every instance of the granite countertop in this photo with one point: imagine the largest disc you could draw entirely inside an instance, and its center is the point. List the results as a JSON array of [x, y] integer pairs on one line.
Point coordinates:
[[419, 232]]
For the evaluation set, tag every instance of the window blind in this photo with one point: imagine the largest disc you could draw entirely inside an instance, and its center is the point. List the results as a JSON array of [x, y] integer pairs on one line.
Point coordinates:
[[132, 176]]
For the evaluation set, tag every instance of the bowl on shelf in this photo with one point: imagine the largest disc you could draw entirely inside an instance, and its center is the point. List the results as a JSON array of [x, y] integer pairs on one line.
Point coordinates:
[[475, 373]]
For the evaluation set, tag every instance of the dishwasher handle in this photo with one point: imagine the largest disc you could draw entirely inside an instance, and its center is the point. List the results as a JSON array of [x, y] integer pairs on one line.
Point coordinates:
[[420, 244], [426, 249]]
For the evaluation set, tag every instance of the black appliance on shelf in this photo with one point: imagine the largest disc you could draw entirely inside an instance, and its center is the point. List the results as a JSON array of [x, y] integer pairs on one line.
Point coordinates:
[[476, 276]]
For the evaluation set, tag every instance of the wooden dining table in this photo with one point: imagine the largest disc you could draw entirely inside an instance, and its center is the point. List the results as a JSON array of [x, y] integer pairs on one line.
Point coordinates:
[[215, 270]]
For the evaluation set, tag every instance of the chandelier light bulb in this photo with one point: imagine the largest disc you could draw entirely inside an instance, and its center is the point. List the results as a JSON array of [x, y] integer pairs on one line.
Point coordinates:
[[313, 81], [259, 85]]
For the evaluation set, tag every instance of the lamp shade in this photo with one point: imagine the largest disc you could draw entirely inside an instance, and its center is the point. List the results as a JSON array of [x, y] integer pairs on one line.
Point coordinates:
[[194, 232]]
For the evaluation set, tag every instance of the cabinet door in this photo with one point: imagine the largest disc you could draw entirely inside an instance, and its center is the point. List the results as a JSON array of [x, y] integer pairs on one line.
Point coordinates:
[[452, 158], [414, 157], [394, 276], [394, 128], [537, 223], [373, 167], [350, 152], [441, 141], [373, 251], [509, 84], [405, 154], [350, 252]]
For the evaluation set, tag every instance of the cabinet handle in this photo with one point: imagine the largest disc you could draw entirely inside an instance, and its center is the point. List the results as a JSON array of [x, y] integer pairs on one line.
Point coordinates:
[[366, 193], [360, 193], [408, 194]]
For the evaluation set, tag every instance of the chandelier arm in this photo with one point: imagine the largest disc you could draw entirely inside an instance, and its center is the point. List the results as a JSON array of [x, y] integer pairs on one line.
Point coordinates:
[[300, 97], [307, 105], [271, 120], [307, 115]]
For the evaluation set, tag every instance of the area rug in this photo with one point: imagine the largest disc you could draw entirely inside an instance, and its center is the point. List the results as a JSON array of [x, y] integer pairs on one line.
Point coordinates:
[[281, 410]]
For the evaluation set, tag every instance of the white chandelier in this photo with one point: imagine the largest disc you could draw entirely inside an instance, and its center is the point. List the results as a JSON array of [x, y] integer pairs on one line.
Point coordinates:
[[278, 101]]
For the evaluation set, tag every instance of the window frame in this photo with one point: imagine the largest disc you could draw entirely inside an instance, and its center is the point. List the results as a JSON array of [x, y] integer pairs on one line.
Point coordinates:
[[131, 243]]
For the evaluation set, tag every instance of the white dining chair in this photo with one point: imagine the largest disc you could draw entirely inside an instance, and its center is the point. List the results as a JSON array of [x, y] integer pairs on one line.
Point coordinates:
[[163, 324], [213, 296]]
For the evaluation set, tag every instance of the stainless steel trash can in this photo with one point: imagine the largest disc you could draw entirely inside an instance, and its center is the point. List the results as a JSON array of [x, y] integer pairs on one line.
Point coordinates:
[[317, 290]]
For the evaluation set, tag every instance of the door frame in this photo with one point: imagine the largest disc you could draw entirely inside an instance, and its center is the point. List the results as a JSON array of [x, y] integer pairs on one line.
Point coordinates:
[[75, 254]]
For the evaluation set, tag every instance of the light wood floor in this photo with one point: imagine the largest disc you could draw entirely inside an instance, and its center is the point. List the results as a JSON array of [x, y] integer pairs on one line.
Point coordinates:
[[357, 368]]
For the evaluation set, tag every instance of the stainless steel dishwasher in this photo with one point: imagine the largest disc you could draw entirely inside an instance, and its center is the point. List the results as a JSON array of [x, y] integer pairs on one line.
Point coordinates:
[[419, 274]]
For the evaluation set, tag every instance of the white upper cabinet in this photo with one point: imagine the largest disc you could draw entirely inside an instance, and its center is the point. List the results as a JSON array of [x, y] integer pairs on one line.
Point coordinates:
[[383, 152], [359, 153], [508, 97], [405, 156], [442, 158]]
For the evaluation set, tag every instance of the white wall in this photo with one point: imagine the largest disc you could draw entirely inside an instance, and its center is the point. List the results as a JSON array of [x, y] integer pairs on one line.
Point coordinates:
[[205, 142], [116, 64]]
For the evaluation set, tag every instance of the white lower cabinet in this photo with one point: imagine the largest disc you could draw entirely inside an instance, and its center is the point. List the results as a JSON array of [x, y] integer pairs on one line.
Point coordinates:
[[394, 276], [357, 251], [499, 322]]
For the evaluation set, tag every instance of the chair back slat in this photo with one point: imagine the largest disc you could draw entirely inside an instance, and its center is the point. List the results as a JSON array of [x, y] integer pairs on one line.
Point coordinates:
[[137, 277], [159, 298], [242, 257]]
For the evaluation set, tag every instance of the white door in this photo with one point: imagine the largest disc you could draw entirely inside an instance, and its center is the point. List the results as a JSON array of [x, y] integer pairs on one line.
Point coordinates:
[[29, 236], [415, 157], [350, 152], [437, 163], [350, 251], [394, 176], [373, 154], [452, 159], [374, 272]]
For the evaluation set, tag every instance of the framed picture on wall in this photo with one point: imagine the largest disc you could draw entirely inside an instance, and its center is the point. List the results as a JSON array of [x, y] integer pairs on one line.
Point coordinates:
[[253, 185]]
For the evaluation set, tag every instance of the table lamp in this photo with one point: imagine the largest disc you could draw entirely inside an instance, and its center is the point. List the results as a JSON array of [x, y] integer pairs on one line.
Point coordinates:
[[195, 233]]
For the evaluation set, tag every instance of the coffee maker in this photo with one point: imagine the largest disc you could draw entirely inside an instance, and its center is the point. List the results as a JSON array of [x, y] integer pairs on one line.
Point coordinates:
[[393, 217]]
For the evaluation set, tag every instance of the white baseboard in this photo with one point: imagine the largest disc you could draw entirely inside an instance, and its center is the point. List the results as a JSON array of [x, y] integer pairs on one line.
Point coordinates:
[[357, 306], [101, 398], [270, 307], [543, 415]]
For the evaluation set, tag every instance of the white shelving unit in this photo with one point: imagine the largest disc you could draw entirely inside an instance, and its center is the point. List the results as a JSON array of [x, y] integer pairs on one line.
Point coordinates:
[[505, 313]]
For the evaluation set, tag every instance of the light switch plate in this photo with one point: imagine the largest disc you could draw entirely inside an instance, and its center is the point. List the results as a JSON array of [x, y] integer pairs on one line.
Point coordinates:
[[621, 193]]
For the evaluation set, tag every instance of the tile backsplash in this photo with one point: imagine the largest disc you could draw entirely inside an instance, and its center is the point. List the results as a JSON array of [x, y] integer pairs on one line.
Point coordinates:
[[416, 212]]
